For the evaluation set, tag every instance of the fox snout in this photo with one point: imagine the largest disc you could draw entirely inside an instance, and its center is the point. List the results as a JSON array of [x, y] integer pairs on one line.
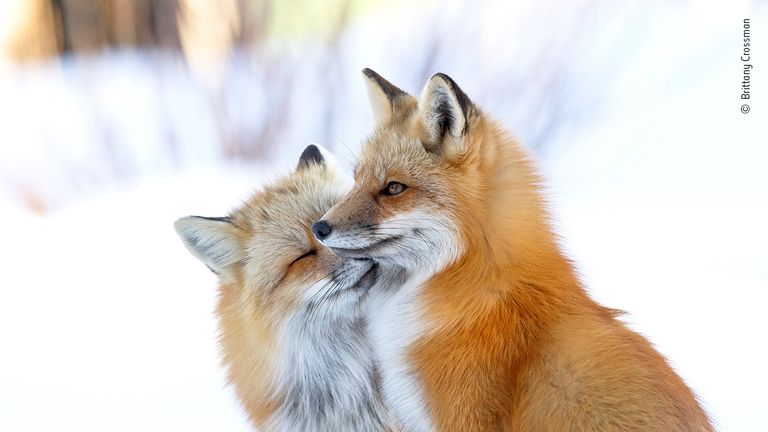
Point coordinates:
[[347, 241], [348, 228]]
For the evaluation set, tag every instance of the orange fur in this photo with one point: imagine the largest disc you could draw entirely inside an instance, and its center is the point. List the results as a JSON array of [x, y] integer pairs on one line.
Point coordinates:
[[512, 341]]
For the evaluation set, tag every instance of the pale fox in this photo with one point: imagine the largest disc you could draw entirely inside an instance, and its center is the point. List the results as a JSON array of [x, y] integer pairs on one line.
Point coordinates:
[[291, 329], [478, 320]]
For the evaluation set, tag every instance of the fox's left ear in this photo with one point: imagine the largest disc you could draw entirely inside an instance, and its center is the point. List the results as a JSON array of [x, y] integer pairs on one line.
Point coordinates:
[[445, 113]]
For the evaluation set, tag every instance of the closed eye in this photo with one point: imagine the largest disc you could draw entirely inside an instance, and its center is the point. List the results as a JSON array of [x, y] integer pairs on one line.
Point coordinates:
[[308, 254]]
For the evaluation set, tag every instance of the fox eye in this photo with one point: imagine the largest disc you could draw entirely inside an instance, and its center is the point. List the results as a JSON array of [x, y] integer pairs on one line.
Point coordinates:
[[394, 188], [308, 254]]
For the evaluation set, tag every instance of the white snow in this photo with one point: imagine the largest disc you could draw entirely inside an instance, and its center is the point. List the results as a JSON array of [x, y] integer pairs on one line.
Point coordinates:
[[106, 321]]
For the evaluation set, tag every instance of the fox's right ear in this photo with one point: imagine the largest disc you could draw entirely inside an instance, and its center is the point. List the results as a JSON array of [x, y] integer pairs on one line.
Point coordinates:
[[384, 96], [211, 240]]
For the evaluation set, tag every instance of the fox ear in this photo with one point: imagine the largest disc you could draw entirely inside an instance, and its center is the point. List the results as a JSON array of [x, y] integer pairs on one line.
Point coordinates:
[[383, 96], [310, 156], [211, 240], [445, 112], [315, 154]]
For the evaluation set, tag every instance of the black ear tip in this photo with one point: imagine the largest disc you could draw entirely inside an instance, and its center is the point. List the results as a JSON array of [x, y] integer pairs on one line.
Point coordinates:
[[448, 80], [387, 87], [226, 219], [310, 155], [442, 76], [462, 97]]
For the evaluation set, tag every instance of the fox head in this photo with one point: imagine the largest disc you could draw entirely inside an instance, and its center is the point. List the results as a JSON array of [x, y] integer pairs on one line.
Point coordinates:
[[264, 251], [427, 185], [288, 306]]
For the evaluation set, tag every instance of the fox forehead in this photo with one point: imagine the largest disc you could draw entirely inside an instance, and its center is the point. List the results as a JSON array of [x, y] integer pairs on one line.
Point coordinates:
[[283, 212], [390, 154]]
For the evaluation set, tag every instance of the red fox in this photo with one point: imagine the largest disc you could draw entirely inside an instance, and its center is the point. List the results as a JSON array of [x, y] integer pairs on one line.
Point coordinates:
[[291, 326], [477, 318]]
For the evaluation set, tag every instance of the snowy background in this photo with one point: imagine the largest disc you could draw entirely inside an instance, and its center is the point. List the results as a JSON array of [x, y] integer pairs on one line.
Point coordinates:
[[658, 183]]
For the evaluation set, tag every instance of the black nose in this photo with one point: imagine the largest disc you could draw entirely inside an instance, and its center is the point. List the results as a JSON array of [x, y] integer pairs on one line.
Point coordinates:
[[321, 229]]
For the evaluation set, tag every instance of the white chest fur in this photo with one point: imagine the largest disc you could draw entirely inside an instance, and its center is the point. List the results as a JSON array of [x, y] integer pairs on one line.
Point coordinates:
[[394, 324], [328, 377]]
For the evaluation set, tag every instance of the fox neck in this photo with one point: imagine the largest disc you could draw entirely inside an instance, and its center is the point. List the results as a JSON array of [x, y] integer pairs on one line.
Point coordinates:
[[486, 314], [505, 233], [328, 375]]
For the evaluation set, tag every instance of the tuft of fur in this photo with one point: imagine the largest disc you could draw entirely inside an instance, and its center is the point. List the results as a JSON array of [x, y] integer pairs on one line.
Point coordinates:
[[477, 319], [292, 332]]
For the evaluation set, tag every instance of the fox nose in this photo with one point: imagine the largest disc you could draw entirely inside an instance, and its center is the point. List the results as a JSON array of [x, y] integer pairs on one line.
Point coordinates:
[[321, 229]]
